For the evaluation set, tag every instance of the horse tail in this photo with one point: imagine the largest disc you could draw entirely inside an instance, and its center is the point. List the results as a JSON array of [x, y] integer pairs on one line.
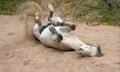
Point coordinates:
[[36, 14]]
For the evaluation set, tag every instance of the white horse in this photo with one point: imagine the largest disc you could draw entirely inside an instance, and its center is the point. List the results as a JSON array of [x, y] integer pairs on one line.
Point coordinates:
[[57, 34], [61, 37]]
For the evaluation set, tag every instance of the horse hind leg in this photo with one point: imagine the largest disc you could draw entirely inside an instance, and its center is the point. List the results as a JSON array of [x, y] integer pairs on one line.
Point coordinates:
[[53, 30]]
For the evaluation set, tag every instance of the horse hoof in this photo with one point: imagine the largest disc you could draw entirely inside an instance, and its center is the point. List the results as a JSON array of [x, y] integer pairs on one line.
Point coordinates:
[[73, 27]]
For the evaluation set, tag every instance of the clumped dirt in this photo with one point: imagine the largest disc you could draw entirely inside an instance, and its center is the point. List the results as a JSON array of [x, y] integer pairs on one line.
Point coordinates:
[[20, 52]]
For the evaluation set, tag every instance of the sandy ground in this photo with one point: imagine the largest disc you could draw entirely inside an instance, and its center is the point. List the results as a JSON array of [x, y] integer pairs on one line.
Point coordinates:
[[21, 54]]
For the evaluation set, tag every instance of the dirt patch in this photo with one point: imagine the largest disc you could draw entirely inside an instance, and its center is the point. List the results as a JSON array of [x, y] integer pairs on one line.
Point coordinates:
[[21, 54]]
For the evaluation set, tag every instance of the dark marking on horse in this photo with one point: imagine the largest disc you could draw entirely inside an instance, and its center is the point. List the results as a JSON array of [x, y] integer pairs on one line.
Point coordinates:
[[41, 28]]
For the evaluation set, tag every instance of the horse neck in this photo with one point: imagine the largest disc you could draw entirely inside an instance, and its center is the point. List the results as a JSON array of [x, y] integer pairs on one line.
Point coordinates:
[[73, 41]]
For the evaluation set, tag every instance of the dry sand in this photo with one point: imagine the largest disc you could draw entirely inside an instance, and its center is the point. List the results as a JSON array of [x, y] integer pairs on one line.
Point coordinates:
[[21, 54]]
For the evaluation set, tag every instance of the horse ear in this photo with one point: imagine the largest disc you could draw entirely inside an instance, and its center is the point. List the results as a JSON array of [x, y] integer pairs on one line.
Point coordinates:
[[99, 50]]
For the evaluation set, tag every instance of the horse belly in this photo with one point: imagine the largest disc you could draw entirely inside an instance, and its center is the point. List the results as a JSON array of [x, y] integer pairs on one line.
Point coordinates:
[[46, 39], [49, 41]]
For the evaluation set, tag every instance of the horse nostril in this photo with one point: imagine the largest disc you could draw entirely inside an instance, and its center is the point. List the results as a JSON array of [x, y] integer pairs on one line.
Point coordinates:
[[73, 27]]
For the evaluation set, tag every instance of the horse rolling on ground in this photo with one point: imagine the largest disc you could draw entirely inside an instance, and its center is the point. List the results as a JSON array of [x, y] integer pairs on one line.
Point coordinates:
[[61, 37], [57, 34]]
